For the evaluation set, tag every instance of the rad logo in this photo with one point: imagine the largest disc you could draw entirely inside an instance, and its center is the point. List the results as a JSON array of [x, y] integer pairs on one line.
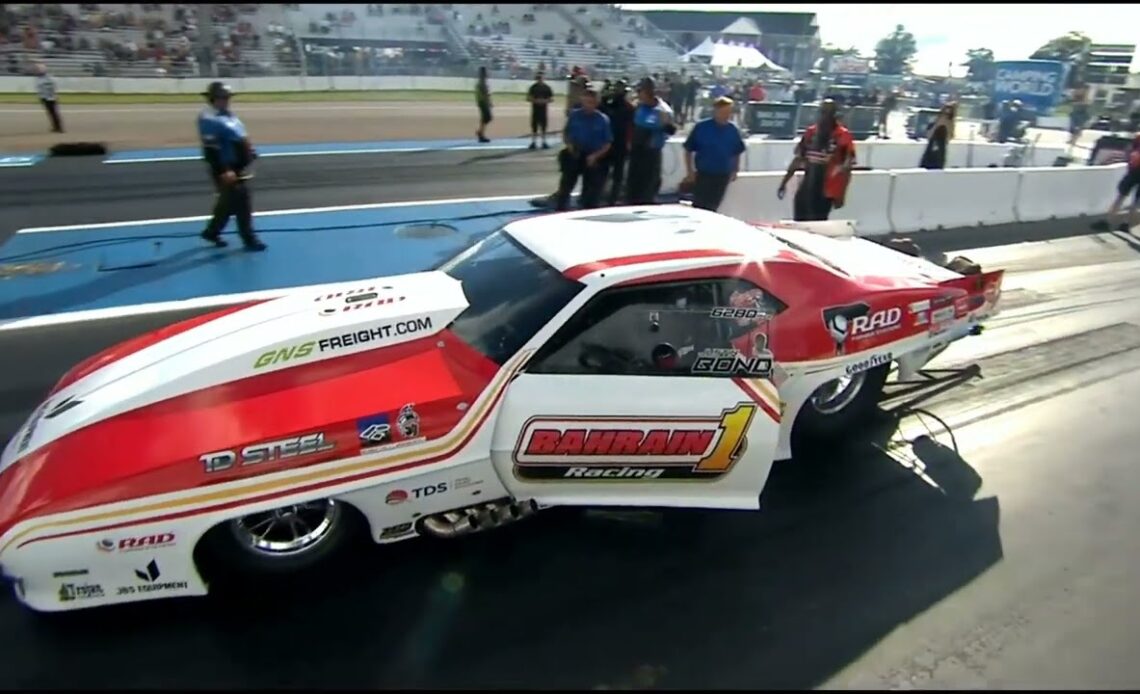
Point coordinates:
[[130, 544], [878, 322]]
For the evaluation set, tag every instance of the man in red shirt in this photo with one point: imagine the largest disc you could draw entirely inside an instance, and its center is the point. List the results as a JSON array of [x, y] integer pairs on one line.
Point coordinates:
[[826, 153], [756, 93], [1130, 183]]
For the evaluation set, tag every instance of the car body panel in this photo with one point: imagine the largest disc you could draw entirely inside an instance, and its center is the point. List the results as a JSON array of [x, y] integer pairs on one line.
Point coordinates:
[[87, 473]]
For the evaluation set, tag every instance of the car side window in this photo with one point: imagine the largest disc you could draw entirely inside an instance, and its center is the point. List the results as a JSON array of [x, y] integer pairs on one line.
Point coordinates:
[[666, 329]]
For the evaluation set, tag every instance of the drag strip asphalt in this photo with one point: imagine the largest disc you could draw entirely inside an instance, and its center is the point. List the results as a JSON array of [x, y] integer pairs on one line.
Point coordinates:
[[83, 190], [986, 540]]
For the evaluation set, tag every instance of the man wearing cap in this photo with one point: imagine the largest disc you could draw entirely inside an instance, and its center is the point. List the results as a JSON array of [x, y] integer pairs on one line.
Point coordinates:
[[588, 139], [227, 150], [826, 153], [652, 125], [716, 145]]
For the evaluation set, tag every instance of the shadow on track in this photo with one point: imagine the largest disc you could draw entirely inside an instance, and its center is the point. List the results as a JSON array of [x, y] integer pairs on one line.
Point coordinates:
[[846, 549]]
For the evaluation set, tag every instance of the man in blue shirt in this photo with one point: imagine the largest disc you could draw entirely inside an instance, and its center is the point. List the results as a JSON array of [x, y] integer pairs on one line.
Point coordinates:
[[716, 145], [652, 125], [588, 139], [226, 148]]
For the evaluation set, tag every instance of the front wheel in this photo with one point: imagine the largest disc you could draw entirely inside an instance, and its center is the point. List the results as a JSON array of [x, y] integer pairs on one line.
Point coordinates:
[[281, 541]]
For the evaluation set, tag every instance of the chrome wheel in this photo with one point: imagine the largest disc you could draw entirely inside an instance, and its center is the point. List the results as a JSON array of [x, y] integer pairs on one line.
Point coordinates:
[[290, 530], [833, 396]]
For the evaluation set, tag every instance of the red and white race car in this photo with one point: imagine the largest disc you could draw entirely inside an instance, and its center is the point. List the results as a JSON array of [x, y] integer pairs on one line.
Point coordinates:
[[638, 356]]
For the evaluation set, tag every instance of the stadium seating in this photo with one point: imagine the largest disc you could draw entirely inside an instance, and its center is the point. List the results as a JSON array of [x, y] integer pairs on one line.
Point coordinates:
[[628, 36], [530, 34]]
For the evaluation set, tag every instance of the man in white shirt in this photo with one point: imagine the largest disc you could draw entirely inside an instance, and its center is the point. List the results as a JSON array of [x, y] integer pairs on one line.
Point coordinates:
[[45, 88]]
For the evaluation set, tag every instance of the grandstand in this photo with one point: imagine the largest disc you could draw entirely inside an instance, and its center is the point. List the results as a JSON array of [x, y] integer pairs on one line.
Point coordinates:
[[513, 40], [637, 43]]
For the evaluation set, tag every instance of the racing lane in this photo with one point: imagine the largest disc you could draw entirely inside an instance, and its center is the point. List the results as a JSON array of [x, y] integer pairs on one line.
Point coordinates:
[[1008, 563], [82, 190]]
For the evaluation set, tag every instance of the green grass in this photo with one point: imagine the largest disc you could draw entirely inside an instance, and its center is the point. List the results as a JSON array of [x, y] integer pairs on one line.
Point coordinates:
[[247, 98]]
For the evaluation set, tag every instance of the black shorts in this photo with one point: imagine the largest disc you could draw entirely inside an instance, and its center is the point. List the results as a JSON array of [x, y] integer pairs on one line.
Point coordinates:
[[811, 206], [537, 118], [1130, 183], [484, 114]]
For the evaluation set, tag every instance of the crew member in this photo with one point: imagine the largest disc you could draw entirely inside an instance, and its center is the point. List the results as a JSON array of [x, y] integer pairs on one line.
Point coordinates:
[[1009, 121], [228, 152], [826, 153], [689, 110], [652, 124], [890, 101], [716, 145], [574, 89], [45, 88], [588, 139], [938, 136], [617, 108], [1130, 183], [539, 95], [483, 101]]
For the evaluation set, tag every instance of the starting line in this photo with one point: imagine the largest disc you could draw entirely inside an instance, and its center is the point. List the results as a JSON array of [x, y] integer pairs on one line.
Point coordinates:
[[8, 161], [328, 149], [78, 273]]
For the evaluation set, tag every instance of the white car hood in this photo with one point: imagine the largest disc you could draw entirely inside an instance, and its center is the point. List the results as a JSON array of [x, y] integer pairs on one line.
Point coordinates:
[[305, 326]]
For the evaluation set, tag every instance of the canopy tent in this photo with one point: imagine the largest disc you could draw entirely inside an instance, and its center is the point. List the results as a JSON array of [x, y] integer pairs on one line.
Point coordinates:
[[726, 55], [705, 50], [743, 26]]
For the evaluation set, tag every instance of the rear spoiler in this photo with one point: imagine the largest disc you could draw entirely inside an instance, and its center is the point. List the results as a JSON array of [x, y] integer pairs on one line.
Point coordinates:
[[983, 293]]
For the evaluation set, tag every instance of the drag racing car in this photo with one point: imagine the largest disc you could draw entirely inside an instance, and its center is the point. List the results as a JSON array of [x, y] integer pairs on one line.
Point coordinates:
[[636, 356]]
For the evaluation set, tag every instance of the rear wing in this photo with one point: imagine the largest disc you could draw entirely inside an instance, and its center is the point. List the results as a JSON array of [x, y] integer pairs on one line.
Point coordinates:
[[983, 294]]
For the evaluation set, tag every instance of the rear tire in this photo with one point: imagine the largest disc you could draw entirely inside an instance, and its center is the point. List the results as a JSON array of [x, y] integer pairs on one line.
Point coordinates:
[[832, 412], [280, 542]]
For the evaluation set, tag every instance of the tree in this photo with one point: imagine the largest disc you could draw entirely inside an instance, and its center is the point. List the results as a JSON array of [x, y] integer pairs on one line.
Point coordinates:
[[1072, 48], [895, 51], [980, 62]]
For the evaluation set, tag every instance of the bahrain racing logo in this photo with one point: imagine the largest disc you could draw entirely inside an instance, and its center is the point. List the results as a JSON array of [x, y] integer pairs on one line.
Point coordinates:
[[632, 448]]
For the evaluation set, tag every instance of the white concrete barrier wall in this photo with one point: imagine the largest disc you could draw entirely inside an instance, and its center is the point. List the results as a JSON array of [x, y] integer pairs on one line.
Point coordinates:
[[953, 198], [1048, 193], [913, 200], [775, 155], [194, 85]]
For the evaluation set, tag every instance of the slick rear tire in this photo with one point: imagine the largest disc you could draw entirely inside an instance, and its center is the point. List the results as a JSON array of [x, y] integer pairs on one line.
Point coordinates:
[[821, 424], [281, 542]]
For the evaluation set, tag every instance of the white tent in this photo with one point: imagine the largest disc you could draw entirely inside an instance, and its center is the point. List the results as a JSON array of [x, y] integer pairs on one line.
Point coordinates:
[[729, 56], [743, 26], [705, 50]]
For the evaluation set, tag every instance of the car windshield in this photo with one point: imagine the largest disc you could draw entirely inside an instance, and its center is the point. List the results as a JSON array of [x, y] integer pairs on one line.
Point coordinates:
[[512, 294]]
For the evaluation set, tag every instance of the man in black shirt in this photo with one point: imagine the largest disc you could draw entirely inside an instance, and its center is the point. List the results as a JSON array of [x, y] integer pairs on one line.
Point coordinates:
[[617, 107], [539, 95]]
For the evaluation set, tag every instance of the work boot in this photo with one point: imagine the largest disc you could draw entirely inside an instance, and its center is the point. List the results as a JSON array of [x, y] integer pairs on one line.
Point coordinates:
[[215, 239]]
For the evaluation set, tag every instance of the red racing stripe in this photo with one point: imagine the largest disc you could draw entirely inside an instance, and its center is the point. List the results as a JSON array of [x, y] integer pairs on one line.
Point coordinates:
[[579, 271]]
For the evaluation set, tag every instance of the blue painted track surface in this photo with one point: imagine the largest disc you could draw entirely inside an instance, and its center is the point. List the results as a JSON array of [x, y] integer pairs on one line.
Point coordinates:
[[14, 160], [167, 261]]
